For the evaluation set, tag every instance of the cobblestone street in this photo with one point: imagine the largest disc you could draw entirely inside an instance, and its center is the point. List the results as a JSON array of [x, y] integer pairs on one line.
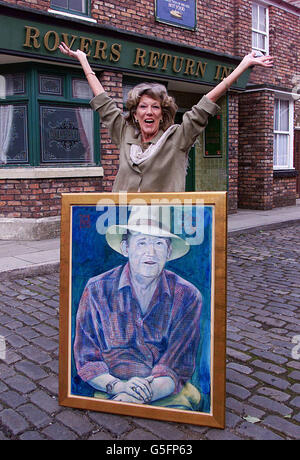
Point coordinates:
[[263, 354]]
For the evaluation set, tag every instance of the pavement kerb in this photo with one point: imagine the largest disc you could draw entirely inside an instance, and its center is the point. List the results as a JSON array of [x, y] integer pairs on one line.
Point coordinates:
[[270, 226], [33, 270]]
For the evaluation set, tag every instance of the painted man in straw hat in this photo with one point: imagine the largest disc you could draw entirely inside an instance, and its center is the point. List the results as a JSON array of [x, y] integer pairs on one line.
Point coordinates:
[[137, 326]]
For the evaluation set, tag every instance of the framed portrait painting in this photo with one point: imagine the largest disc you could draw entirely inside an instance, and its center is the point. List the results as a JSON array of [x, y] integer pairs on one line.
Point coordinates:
[[143, 305]]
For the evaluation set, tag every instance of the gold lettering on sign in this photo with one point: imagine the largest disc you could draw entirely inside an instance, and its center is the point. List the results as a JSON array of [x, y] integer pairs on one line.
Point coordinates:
[[51, 33], [165, 58], [104, 51], [65, 39], [85, 43], [226, 71], [115, 52], [222, 72], [201, 67], [189, 67], [153, 59], [31, 37], [175, 69], [100, 50], [217, 76], [140, 57]]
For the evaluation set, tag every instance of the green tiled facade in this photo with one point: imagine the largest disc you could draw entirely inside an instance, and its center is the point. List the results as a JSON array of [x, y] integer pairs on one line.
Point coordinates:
[[211, 173]]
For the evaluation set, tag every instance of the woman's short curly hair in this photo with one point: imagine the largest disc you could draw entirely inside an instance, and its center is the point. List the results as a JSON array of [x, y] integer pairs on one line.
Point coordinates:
[[156, 91]]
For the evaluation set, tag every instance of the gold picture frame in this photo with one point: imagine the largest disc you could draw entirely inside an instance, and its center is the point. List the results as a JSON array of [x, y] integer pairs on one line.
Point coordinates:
[[183, 347]]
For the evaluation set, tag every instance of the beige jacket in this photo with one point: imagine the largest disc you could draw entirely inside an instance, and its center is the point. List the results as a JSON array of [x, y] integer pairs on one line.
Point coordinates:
[[165, 171]]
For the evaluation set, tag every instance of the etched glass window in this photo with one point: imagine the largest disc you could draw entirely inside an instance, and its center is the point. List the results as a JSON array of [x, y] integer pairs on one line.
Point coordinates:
[[50, 85], [13, 134], [67, 134], [11, 85], [81, 89], [45, 118]]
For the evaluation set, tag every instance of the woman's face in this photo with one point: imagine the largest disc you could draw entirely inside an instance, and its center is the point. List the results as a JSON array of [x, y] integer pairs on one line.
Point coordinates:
[[148, 115]]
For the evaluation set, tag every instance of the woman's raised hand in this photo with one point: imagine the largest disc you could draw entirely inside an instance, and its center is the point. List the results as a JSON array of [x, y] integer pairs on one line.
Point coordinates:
[[78, 54], [93, 81], [252, 59]]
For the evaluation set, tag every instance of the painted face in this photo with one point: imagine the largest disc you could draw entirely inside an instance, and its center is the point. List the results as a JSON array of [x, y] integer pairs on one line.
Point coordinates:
[[147, 255], [148, 115]]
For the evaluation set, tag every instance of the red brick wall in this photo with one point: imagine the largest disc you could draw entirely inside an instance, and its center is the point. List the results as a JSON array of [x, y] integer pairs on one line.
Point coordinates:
[[139, 17], [32, 198], [233, 140], [242, 27], [284, 191], [42, 5], [256, 150], [112, 83], [257, 187], [284, 45]]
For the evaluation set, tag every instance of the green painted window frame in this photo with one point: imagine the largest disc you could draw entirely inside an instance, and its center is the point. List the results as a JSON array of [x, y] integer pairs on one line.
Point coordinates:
[[32, 99], [70, 11]]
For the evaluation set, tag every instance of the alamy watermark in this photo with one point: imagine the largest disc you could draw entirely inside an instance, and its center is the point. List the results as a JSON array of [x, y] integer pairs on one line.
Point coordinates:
[[182, 217], [296, 348], [2, 348]]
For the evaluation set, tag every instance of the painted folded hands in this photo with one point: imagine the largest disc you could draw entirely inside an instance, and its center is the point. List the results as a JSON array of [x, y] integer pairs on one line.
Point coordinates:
[[136, 390]]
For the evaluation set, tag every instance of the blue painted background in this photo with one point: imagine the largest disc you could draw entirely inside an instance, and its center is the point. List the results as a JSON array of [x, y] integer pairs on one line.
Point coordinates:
[[91, 256]]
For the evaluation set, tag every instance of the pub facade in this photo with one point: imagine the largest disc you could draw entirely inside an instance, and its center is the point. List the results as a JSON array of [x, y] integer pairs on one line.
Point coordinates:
[[52, 142]]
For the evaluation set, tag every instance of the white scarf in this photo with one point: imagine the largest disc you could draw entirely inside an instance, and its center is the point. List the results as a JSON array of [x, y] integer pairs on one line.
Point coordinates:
[[138, 156]]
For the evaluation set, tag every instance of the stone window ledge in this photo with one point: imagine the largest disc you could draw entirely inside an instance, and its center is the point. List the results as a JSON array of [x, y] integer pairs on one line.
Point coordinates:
[[72, 16], [281, 173], [50, 173]]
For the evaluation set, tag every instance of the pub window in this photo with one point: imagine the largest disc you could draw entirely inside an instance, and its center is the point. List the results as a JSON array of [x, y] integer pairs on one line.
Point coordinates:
[[283, 134], [46, 119], [260, 28], [13, 119], [71, 6]]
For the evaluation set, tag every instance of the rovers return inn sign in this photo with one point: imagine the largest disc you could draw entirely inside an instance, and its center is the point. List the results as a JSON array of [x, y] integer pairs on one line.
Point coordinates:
[[111, 49]]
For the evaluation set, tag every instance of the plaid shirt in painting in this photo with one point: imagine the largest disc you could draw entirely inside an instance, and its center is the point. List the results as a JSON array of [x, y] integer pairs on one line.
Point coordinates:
[[113, 336]]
